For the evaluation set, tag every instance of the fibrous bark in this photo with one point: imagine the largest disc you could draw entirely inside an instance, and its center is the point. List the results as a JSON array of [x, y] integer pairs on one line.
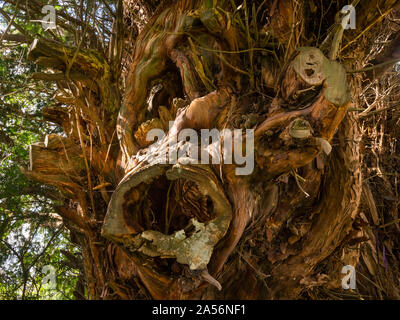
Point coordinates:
[[186, 230]]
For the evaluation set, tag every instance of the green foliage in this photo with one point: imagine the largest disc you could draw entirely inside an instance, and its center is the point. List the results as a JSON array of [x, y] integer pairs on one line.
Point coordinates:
[[31, 235]]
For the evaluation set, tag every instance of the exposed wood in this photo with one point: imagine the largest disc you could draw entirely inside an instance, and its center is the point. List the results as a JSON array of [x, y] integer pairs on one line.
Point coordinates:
[[188, 231]]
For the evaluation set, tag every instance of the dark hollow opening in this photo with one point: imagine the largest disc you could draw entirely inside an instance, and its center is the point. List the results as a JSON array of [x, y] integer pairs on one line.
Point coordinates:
[[166, 206]]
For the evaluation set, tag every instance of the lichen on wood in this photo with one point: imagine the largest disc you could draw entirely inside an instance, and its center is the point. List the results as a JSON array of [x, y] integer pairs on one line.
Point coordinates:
[[190, 247]]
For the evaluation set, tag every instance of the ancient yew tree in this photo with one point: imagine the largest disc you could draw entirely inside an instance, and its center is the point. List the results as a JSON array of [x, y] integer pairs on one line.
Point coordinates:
[[178, 230]]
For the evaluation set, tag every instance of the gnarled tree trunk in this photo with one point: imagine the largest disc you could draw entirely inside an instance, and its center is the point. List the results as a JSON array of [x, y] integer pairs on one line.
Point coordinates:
[[154, 228]]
